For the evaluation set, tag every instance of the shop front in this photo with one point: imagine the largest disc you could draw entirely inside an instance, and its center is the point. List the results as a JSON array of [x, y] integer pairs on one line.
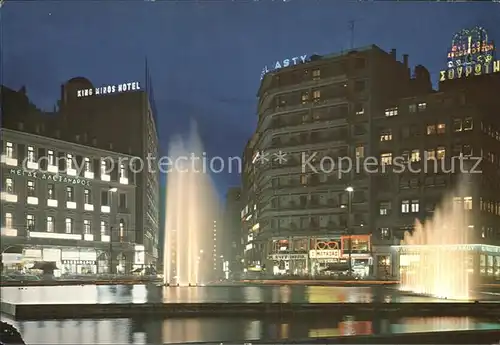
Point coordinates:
[[289, 264]]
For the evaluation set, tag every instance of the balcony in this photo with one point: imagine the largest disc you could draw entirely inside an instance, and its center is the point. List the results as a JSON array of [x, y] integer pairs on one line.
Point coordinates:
[[105, 177], [9, 232], [88, 207], [71, 172], [52, 202], [54, 235], [53, 169], [123, 180], [105, 209], [8, 160], [32, 165], [88, 174], [32, 200], [71, 205], [8, 197], [105, 238], [88, 237]]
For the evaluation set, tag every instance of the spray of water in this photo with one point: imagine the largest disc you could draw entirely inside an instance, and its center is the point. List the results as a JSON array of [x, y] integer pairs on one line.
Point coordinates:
[[432, 260], [190, 211]]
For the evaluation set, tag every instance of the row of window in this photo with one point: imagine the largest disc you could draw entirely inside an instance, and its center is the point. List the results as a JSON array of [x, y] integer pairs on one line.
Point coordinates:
[[413, 205], [486, 232], [412, 108], [69, 225], [70, 193], [68, 161]]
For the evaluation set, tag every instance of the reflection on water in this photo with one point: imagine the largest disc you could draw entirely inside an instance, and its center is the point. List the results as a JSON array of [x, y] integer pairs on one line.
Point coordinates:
[[130, 331], [220, 294]]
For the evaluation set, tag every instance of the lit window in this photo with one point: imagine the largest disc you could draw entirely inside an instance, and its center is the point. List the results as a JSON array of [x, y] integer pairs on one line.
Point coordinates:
[[50, 224], [8, 220], [360, 151], [122, 171], [412, 108], [87, 195], [431, 129], [88, 167], [316, 95], [31, 188], [441, 128], [360, 110], [69, 225], [122, 229], [385, 233], [50, 158], [51, 191], [386, 158], [430, 154], [69, 161], [422, 106], [386, 135], [30, 222], [391, 111], [31, 154], [104, 168], [467, 124], [415, 206], [405, 206], [385, 208], [86, 227], [415, 155], [69, 194], [468, 203], [9, 150], [9, 186], [104, 228], [440, 152], [316, 74], [305, 97], [457, 125]]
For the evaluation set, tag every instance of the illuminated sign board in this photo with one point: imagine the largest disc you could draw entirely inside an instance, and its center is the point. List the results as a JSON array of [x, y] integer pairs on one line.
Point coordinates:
[[109, 89], [283, 63], [471, 54], [50, 177], [325, 254]]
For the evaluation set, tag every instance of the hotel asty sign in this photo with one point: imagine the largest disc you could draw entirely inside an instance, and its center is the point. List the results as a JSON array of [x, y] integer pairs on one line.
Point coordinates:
[[109, 89], [471, 54], [282, 64]]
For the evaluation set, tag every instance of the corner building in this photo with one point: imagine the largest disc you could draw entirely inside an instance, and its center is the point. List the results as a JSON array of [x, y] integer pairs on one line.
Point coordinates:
[[83, 221], [301, 221], [119, 118]]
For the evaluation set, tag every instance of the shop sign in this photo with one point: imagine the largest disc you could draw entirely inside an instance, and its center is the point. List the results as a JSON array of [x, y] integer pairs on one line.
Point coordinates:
[[285, 257], [50, 177], [324, 254], [78, 262]]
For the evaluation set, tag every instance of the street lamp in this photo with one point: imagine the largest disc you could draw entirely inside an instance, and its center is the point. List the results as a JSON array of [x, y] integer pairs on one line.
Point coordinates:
[[349, 191]]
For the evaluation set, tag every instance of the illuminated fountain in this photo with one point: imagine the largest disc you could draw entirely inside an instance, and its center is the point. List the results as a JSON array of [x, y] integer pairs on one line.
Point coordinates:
[[434, 258], [190, 211]]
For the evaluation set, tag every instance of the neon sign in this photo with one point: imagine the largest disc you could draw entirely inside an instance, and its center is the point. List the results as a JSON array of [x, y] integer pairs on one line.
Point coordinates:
[[282, 64], [109, 89], [471, 54]]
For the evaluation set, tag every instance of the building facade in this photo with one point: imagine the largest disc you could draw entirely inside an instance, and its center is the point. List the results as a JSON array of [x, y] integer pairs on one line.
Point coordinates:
[[118, 118], [304, 216], [65, 203], [434, 134]]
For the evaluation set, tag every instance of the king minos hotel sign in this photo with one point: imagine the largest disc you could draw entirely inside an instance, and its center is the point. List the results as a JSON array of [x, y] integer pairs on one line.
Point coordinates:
[[471, 54], [109, 89]]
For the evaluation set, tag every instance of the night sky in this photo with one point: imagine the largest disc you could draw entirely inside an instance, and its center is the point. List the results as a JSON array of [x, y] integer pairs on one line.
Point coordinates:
[[206, 56]]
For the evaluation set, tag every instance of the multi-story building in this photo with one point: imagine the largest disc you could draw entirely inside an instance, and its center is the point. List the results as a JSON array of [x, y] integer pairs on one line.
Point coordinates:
[[304, 217], [431, 132], [120, 118], [233, 236], [61, 202]]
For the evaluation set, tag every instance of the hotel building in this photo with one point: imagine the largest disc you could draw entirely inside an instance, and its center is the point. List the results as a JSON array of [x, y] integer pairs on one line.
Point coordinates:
[[63, 203], [301, 222], [117, 118]]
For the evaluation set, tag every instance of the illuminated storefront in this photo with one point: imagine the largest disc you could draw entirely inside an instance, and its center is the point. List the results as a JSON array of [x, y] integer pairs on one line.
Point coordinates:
[[289, 256], [480, 260]]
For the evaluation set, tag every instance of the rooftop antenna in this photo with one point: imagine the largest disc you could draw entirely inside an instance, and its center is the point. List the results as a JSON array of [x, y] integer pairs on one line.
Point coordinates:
[[351, 28]]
